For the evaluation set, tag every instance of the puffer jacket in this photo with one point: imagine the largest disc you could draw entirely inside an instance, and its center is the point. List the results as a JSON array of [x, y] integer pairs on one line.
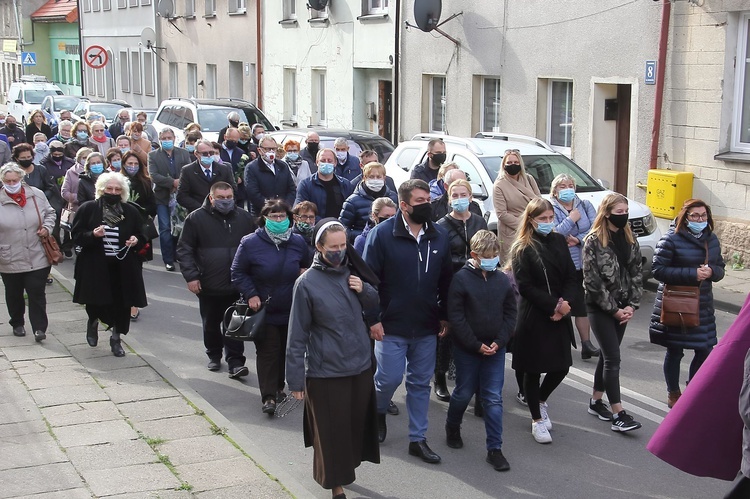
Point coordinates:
[[20, 247], [608, 286], [567, 227], [69, 189], [86, 187], [356, 210], [459, 234], [326, 330], [676, 260], [207, 246]]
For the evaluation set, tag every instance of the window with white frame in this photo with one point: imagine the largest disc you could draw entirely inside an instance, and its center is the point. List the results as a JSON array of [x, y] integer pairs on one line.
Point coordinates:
[[741, 118], [190, 8], [490, 104], [237, 6], [145, 2], [135, 71], [377, 6], [290, 93], [210, 10], [149, 81], [121, 4], [319, 14], [124, 71], [560, 115], [192, 73], [96, 5], [86, 6], [437, 104], [319, 97], [106, 4], [173, 79], [210, 81], [133, 3], [289, 9]]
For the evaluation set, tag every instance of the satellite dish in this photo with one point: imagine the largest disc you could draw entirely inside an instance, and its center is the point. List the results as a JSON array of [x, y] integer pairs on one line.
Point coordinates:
[[317, 4], [165, 9], [427, 14], [148, 37]]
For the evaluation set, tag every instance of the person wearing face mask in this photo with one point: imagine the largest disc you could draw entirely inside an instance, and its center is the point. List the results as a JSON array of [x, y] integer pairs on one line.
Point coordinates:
[[356, 209], [512, 191], [482, 311], [64, 132], [347, 166], [299, 166], [4, 152], [3, 137], [99, 140], [142, 197], [210, 238], [411, 256], [37, 124], [234, 122], [612, 278], [13, 132], [324, 188], [108, 271], [305, 214], [94, 166], [69, 191], [57, 165], [268, 178], [37, 175], [329, 362], [138, 142], [546, 279], [41, 148], [79, 139], [381, 210], [689, 254], [428, 170], [197, 177], [230, 153], [259, 132], [264, 269], [441, 206], [118, 127], [310, 151]]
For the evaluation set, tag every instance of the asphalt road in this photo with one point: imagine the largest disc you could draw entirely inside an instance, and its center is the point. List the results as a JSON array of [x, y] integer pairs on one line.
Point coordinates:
[[585, 460]]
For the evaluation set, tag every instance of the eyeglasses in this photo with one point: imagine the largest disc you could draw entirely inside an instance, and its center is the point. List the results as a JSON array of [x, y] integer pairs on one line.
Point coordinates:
[[277, 216], [511, 151], [306, 218], [696, 217]]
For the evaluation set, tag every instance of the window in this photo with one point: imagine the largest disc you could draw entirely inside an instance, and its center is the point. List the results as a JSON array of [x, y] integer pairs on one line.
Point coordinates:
[[236, 80], [121, 4], [319, 97], [133, 3], [190, 8], [106, 4], [320, 15], [173, 79], [135, 71], [96, 5], [77, 73], [237, 6], [192, 71], [377, 6], [90, 83], [148, 73], [490, 104], [70, 70], [560, 115], [210, 10], [210, 81], [290, 9], [124, 72], [290, 93], [741, 121], [86, 6], [145, 2], [437, 104]]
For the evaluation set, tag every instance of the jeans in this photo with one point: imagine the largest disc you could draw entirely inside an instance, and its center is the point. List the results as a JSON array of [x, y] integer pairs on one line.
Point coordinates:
[[672, 366], [418, 355], [166, 242], [608, 332], [473, 370], [34, 284], [212, 310]]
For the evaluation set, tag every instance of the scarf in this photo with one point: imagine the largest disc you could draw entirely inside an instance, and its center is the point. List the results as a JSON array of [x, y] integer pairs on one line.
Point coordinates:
[[19, 197], [277, 239], [112, 214], [101, 139]]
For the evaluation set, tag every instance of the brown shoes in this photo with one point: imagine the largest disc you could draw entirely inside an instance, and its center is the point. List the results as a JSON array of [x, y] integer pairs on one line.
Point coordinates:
[[672, 398]]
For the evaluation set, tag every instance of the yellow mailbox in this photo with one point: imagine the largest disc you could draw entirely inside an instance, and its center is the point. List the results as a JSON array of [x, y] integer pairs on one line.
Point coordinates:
[[667, 192]]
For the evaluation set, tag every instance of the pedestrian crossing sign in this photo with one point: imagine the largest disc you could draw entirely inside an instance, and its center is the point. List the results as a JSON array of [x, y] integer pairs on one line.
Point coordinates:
[[28, 58]]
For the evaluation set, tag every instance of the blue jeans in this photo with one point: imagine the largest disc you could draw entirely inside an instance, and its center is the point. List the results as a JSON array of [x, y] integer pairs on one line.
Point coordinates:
[[166, 243], [672, 366], [418, 355], [484, 373]]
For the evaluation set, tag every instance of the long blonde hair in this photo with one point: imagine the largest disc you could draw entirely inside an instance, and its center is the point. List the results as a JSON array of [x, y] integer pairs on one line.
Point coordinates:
[[600, 229], [526, 229]]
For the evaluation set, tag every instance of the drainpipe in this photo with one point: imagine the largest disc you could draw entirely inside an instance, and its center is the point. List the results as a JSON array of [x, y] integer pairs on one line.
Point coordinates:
[[396, 75], [258, 55], [661, 63]]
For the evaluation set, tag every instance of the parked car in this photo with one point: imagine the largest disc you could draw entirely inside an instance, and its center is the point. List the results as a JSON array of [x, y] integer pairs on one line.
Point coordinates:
[[108, 109], [480, 158], [53, 104], [210, 113], [26, 95], [358, 140]]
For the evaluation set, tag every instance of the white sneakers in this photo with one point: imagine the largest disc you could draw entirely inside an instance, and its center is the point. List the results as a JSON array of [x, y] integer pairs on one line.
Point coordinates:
[[545, 417], [540, 432]]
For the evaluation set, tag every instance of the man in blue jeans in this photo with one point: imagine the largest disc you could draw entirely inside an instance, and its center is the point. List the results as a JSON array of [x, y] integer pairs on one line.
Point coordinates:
[[411, 256], [164, 166]]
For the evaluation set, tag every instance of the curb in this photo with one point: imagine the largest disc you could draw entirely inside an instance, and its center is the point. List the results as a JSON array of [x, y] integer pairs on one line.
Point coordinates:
[[724, 303], [255, 453]]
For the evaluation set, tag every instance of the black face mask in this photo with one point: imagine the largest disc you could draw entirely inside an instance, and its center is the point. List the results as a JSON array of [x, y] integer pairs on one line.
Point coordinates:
[[619, 221], [24, 163], [313, 147], [111, 199], [234, 124], [57, 158], [421, 213], [230, 144], [382, 219], [513, 169], [11, 126], [438, 159]]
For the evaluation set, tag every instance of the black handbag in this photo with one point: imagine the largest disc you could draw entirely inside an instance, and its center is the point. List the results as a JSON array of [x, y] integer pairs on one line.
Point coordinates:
[[241, 323]]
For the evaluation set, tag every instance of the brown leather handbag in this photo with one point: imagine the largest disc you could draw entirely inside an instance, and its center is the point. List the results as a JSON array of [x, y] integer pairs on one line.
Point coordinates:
[[49, 243], [680, 305]]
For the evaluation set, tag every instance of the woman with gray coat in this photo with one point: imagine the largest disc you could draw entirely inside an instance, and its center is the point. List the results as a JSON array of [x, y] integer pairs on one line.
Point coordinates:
[[327, 330]]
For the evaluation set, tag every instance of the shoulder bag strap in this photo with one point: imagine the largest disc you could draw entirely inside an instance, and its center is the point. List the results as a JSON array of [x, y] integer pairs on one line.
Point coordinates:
[[38, 215], [457, 228], [706, 245]]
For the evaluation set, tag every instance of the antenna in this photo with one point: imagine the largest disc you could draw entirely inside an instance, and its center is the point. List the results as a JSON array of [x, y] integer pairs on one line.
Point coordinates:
[[165, 9], [427, 17], [148, 39], [317, 4]]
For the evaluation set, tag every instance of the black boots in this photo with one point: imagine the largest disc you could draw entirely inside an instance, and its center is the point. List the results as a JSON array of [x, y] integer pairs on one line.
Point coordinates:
[[441, 388], [588, 350], [116, 347], [382, 428], [453, 436], [92, 332]]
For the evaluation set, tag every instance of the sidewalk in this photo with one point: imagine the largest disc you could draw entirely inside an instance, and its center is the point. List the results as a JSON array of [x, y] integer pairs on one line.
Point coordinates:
[[76, 422]]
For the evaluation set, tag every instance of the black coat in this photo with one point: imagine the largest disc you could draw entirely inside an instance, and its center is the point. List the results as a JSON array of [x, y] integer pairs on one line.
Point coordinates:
[[194, 186], [441, 207], [17, 134], [207, 246], [261, 184], [459, 236], [92, 266], [31, 129], [86, 188], [542, 345], [423, 171], [676, 260]]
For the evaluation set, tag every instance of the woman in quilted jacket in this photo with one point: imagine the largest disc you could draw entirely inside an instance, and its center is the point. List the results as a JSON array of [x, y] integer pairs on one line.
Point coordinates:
[[689, 254]]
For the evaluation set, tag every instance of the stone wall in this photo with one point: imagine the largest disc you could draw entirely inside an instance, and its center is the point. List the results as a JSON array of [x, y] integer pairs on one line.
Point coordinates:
[[735, 238]]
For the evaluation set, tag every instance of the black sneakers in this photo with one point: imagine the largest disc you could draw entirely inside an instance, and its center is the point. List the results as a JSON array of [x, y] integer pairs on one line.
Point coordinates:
[[624, 422], [599, 409], [497, 460]]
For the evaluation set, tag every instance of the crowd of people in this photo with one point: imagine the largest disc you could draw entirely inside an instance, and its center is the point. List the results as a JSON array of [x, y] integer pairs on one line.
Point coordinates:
[[363, 285]]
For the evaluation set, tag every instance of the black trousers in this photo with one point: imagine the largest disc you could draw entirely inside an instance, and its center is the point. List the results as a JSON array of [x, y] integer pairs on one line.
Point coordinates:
[[212, 310], [271, 360], [608, 332], [536, 393], [33, 283], [444, 354]]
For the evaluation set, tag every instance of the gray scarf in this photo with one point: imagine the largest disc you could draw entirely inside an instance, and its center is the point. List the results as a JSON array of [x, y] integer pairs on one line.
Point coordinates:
[[277, 239]]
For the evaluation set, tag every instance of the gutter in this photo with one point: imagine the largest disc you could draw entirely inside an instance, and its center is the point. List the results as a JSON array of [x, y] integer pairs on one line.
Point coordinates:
[[258, 55], [666, 9], [396, 76]]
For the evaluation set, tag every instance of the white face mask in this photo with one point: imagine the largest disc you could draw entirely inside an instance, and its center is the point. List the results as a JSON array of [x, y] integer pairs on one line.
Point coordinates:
[[341, 155], [270, 156], [12, 188], [375, 185]]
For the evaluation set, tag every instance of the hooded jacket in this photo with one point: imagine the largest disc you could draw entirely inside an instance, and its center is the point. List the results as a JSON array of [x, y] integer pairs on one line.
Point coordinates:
[[356, 210]]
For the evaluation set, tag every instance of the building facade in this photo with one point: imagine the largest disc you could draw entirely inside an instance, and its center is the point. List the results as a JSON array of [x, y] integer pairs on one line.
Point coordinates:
[[57, 45], [330, 67], [15, 24]]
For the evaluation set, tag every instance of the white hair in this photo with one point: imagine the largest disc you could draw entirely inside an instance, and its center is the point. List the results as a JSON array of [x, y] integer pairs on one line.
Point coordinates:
[[340, 142], [11, 167], [104, 179]]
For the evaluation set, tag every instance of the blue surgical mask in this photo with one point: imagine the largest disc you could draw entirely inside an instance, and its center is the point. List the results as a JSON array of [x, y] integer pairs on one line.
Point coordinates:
[[167, 145], [207, 160], [566, 195], [123, 150], [82, 135], [292, 156], [190, 148], [545, 228], [325, 168], [96, 169], [697, 227], [489, 264], [461, 205], [243, 141], [116, 165]]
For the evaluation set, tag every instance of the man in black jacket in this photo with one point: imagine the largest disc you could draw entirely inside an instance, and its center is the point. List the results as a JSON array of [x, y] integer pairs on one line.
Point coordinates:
[[210, 238], [441, 206], [197, 177], [268, 178], [435, 158]]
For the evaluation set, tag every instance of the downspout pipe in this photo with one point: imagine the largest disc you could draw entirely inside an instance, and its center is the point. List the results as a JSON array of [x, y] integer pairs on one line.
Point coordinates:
[[259, 54], [661, 69], [396, 76]]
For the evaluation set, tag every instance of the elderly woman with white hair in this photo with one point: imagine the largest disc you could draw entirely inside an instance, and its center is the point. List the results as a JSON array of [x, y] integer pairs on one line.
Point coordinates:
[[25, 217], [108, 270]]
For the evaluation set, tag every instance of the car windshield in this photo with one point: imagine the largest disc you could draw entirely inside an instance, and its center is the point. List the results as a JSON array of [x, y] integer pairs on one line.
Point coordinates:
[[214, 119], [66, 102], [544, 168], [37, 96], [108, 110]]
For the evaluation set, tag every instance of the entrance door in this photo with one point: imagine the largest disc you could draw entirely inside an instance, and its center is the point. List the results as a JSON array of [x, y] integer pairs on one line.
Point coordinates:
[[622, 139], [385, 101]]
